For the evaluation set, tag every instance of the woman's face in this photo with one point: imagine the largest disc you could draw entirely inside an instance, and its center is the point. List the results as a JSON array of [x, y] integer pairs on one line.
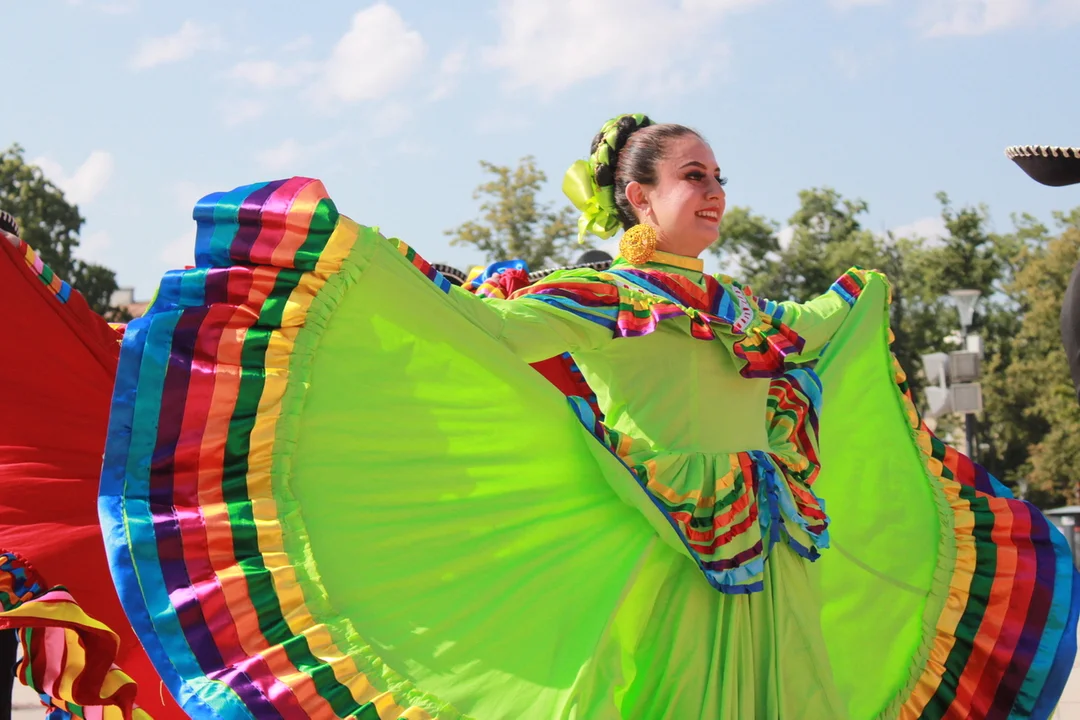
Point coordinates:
[[688, 199]]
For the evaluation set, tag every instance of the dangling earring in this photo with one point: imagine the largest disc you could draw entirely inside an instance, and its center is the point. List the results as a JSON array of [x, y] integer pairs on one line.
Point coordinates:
[[638, 244]]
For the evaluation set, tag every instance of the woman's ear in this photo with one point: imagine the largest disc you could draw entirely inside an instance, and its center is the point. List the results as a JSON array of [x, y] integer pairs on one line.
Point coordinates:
[[635, 193]]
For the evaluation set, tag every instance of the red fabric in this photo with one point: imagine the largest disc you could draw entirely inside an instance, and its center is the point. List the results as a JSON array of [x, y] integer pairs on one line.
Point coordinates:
[[557, 371], [56, 378]]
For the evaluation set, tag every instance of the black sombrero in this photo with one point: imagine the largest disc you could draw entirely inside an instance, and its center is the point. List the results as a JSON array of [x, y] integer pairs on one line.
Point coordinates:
[[9, 228], [1054, 166], [590, 259], [451, 273]]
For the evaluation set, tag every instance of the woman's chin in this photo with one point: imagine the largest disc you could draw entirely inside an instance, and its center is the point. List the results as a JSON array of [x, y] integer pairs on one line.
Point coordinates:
[[702, 240]]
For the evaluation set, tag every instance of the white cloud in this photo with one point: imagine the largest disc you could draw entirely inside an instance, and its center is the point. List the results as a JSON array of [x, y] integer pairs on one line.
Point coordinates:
[[389, 119], [291, 157], [179, 253], [186, 193], [92, 246], [238, 112], [281, 157], [376, 56], [720, 5], [941, 18], [503, 120], [118, 7], [930, 228], [849, 63], [181, 45], [784, 236], [111, 7], [265, 74], [550, 46], [88, 180], [413, 147], [848, 4], [446, 77], [301, 43]]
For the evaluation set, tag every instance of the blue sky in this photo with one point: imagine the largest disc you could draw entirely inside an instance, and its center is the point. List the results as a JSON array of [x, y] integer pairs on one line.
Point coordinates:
[[137, 109]]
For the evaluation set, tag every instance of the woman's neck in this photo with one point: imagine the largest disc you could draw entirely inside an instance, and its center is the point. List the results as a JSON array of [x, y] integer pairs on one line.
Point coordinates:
[[685, 262], [673, 247]]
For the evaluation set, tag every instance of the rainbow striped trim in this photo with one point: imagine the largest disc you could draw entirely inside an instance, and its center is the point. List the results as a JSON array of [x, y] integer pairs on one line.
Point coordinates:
[[1000, 633], [730, 526], [57, 287], [850, 285], [67, 656], [193, 493], [235, 625], [633, 302]]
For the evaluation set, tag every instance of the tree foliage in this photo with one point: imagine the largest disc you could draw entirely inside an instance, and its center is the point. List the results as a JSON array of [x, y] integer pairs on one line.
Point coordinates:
[[515, 224], [50, 224], [1029, 433], [1032, 419]]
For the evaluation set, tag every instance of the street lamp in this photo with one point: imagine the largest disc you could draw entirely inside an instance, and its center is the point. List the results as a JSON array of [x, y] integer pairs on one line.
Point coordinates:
[[954, 377], [965, 305]]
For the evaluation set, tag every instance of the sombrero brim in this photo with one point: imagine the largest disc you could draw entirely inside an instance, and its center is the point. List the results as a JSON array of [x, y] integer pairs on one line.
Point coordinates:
[[1054, 166], [455, 276]]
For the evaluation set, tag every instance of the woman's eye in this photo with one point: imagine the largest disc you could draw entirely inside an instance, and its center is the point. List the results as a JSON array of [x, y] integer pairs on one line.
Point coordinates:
[[699, 176]]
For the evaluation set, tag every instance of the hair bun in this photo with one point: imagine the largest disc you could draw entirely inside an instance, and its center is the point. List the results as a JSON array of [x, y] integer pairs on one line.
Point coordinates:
[[604, 152]]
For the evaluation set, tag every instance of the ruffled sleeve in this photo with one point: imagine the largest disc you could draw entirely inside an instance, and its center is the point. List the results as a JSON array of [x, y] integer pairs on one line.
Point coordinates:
[[817, 320], [542, 320]]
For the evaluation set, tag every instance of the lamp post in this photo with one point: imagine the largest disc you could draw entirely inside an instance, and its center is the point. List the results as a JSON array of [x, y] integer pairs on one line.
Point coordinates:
[[954, 377], [968, 360]]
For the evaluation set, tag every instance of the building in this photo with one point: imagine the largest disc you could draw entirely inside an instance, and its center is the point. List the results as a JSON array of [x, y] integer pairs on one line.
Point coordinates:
[[124, 299]]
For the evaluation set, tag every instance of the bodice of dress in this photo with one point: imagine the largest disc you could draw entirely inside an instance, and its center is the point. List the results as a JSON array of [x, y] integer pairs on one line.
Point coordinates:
[[676, 394], [707, 395]]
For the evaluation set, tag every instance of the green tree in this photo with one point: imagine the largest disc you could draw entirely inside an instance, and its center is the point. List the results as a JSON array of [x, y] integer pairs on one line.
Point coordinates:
[[1032, 419], [50, 224], [924, 318], [515, 224], [746, 240], [1030, 428], [826, 239]]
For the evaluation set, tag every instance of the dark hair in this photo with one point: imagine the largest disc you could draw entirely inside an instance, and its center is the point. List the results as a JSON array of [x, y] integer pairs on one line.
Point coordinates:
[[639, 146]]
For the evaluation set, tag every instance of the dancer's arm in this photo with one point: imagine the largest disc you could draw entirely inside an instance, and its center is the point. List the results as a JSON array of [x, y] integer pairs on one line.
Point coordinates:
[[530, 327], [817, 320]]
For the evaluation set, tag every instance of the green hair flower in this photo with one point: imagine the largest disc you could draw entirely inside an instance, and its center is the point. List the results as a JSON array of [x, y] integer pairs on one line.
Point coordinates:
[[596, 199]]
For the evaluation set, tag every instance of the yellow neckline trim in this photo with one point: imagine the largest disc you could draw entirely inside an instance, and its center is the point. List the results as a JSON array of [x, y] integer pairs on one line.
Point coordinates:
[[679, 261]]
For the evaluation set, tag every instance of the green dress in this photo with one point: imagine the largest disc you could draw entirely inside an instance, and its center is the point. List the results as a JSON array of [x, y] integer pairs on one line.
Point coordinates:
[[334, 487]]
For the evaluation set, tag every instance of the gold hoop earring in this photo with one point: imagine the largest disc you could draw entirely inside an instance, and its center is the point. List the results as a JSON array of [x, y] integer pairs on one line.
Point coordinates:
[[638, 244]]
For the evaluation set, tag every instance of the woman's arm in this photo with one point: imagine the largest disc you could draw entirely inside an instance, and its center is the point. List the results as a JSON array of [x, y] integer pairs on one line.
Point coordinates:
[[534, 325], [817, 320]]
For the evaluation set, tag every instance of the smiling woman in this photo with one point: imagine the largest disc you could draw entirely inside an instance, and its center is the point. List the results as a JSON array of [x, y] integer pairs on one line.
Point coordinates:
[[333, 486]]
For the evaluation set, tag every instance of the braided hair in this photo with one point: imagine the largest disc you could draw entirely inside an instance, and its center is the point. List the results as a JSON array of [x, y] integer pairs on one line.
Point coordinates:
[[627, 149]]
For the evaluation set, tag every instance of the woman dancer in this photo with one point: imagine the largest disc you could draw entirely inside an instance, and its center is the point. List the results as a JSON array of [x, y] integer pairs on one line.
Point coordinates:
[[333, 487]]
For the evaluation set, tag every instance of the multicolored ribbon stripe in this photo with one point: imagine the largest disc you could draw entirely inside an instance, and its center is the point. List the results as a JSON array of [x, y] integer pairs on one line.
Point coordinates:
[[195, 538], [211, 364], [56, 286], [1000, 640], [632, 302], [67, 656]]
